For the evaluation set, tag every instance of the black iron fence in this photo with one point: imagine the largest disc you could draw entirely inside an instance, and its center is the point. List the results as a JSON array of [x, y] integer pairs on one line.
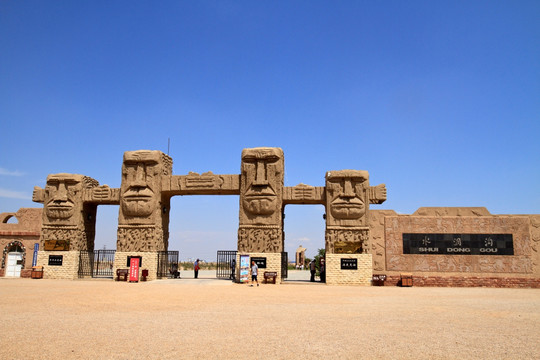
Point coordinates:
[[97, 264], [284, 264], [167, 264], [226, 264]]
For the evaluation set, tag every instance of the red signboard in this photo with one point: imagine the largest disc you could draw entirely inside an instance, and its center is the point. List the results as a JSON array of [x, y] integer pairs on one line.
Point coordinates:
[[134, 269]]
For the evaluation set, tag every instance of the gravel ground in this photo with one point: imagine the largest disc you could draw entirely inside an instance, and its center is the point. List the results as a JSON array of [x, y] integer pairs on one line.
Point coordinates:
[[208, 318]]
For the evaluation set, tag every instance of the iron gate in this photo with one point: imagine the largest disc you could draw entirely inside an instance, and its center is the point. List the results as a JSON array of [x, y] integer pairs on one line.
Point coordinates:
[[284, 264], [97, 264], [167, 264], [226, 264]]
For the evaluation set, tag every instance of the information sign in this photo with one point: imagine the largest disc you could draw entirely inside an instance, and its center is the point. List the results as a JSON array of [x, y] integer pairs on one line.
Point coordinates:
[[56, 260], [458, 244], [349, 264], [134, 270], [34, 258], [244, 268], [260, 261]]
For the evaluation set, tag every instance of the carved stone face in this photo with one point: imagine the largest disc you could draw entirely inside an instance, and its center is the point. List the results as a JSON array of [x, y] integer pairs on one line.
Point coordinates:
[[262, 174], [140, 183], [63, 197], [346, 193]]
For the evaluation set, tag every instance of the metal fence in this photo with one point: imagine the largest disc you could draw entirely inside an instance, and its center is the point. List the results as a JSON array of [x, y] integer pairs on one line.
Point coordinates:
[[284, 264], [226, 263], [167, 264], [96, 264]]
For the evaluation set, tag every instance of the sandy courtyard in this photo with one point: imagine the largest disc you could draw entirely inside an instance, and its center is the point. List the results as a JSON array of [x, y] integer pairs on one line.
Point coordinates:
[[215, 319]]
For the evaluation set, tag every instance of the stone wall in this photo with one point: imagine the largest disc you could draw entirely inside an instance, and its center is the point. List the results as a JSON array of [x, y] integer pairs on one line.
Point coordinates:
[[522, 269], [149, 262], [67, 271], [337, 276], [24, 233], [273, 264]]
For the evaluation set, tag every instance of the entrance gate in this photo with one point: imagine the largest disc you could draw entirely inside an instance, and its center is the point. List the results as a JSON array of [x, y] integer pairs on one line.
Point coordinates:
[[167, 263], [96, 264], [225, 258], [284, 264]]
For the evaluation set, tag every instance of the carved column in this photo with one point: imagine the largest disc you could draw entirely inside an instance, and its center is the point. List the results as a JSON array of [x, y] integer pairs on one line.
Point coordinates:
[[143, 220], [68, 222], [261, 196], [347, 199]]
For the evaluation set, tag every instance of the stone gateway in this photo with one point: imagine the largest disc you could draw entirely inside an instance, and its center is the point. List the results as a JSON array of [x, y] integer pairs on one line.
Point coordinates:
[[438, 246]]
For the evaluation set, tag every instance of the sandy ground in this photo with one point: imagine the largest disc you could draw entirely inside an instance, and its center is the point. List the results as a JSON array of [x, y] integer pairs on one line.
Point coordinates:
[[216, 319]]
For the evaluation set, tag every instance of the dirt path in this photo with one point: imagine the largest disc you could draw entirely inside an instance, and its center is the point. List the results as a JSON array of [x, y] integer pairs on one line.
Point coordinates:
[[191, 319]]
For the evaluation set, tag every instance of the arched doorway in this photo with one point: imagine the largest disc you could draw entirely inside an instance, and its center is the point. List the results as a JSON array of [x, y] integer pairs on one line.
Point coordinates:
[[14, 256]]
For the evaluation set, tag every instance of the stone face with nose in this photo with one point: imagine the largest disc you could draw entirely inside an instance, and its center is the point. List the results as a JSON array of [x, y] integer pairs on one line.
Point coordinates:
[[141, 183], [262, 183], [346, 195]]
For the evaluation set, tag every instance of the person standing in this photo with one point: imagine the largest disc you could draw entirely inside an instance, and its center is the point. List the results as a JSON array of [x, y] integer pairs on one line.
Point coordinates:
[[312, 269], [233, 268], [254, 271], [196, 268], [322, 269]]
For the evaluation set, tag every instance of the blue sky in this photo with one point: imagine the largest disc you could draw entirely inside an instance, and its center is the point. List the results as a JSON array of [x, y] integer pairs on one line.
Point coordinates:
[[439, 100]]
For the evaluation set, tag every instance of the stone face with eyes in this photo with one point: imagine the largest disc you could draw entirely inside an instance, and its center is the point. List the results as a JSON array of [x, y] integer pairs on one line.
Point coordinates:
[[346, 197], [261, 188], [63, 197]]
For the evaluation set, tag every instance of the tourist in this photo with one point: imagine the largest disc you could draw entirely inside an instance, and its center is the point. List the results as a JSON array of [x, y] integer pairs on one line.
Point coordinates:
[[312, 269], [196, 268], [322, 270], [233, 268], [254, 270]]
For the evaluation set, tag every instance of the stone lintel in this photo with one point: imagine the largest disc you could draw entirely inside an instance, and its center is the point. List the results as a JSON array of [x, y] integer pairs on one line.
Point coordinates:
[[102, 195], [303, 194], [204, 184]]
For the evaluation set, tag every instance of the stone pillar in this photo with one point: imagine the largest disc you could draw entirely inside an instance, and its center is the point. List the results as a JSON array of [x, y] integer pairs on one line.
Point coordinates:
[[68, 223], [143, 221], [347, 199], [261, 197]]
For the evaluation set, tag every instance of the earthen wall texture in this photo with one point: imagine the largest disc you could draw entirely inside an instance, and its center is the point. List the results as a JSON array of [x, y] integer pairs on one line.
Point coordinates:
[[25, 232], [519, 270], [336, 276]]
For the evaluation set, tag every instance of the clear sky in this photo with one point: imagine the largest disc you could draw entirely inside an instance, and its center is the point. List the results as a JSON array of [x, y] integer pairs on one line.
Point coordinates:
[[439, 100]]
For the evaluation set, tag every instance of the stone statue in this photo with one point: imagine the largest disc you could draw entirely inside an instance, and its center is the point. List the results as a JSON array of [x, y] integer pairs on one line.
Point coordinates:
[[68, 221], [144, 213], [261, 196]]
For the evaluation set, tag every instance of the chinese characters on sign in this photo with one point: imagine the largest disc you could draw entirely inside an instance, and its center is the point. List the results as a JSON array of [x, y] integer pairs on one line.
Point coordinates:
[[458, 244], [349, 264], [134, 269]]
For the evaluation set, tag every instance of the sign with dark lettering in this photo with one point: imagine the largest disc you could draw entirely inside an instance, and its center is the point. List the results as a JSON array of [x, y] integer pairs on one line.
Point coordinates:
[[56, 260], [458, 244], [260, 261], [56, 245], [349, 264]]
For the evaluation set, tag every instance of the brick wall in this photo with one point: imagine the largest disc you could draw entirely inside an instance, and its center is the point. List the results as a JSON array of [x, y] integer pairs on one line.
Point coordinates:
[[466, 281], [361, 276], [273, 263], [69, 269], [149, 262]]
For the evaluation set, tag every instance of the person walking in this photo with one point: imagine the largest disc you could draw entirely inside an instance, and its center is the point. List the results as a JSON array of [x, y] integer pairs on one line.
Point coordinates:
[[254, 271], [196, 268], [312, 269]]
